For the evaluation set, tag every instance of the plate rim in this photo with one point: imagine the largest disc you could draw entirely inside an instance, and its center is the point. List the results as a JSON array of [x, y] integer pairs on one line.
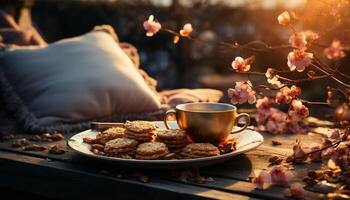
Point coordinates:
[[71, 141]]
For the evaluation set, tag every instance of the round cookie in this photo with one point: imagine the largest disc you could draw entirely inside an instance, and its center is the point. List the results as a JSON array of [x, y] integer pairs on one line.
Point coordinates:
[[140, 126], [198, 150], [140, 139], [149, 134], [110, 134], [143, 137], [120, 145], [151, 157], [168, 141], [171, 134], [115, 130], [151, 148], [122, 150], [175, 139]]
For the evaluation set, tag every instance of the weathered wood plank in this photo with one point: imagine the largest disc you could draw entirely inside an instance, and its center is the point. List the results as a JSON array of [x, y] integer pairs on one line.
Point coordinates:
[[61, 180], [234, 173]]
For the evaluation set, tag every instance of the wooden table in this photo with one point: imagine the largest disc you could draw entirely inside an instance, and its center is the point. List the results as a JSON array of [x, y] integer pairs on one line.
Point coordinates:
[[70, 176]]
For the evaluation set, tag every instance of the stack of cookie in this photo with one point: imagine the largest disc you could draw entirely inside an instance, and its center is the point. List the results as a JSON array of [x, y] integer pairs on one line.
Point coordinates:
[[141, 131], [175, 139], [121, 147], [199, 150], [110, 134], [151, 151]]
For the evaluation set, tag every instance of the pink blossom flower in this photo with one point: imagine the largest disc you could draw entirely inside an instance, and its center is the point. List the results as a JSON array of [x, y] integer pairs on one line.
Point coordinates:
[[297, 111], [276, 122], [339, 158], [298, 40], [240, 65], [274, 81], [284, 18], [286, 95], [273, 120], [342, 149], [269, 73], [281, 175], [264, 110], [276, 125], [310, 35], [272, 78], [151, 26], [316, 156], [298, 60], [300, 152], [330, 150], [186, 30], [263, 180], [326, 142], [263, 104], [335, 51], [297, 190], [335, 135], [242, 93]]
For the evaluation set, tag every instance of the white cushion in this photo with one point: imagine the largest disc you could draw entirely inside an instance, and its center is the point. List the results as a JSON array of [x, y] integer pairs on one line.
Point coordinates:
[[77, 79]]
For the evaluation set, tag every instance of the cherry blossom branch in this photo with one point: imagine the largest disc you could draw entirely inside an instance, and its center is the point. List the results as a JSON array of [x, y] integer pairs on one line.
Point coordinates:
[[300, 99], [330, 75], [314, 102], [291, 81], [334, 145], [328, 71], [269, 87], [339, 90], [235, 45], [325, 66]]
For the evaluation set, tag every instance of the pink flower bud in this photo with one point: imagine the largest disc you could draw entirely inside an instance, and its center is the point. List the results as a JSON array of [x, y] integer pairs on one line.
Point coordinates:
[[335, 135], [284, 18], [300, 152], [240, 65], [269, 72], [297, 190], [297, 111], [151, 26], [299, 60], [335, 51], [242, 93], [286, 95], [281, 175], [298, 40], [186, 30], [263, 180], [317, 156]]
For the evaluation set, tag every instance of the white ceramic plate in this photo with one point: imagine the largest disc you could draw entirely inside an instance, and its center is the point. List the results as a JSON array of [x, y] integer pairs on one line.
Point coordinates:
[[247, 140]]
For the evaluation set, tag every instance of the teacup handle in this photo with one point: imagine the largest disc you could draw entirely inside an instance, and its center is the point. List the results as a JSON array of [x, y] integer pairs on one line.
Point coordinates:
[[169, 112], [247, 119]]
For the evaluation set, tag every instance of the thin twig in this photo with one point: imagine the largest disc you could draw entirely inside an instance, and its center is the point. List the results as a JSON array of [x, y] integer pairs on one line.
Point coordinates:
[[235, 45], [334, 144], [314, 102], [330, 75]]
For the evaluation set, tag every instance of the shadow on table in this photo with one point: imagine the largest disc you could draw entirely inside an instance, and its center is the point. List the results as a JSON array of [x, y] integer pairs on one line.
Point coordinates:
[[239, 167]]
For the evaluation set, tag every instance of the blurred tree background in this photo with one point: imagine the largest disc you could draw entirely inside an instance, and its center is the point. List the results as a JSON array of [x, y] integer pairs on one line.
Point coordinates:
[[188, 63]]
